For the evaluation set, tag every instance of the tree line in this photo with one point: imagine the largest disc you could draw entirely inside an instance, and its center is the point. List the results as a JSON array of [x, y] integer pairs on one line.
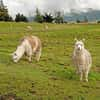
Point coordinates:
[[56, 17], [4, 14], [38, 17]]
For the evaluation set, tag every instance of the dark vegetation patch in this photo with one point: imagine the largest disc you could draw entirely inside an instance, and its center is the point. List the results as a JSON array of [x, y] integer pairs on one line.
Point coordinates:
[[10, 96]]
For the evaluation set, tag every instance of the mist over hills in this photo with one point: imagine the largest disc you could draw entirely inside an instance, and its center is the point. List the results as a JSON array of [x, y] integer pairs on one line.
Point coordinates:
[[90, 14]]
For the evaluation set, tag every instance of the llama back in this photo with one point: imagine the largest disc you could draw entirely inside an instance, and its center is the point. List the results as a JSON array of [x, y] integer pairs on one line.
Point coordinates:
[[34, 42], [38, 43]]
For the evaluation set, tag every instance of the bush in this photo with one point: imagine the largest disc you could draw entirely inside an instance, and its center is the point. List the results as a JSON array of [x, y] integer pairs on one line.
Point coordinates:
[[21, 18]]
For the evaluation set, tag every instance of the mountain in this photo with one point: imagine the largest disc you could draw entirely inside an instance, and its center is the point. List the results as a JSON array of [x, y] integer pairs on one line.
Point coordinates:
[[31, 18], [90, 14]]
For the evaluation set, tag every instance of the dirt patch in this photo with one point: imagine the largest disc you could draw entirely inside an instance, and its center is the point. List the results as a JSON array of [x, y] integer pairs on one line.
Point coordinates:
[[9, 97], [54, 78], [98, 38], [96, 69], [32, 92]]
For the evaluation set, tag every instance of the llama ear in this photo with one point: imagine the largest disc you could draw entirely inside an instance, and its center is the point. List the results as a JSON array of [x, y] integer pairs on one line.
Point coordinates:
[[76, 39], [83, 39]]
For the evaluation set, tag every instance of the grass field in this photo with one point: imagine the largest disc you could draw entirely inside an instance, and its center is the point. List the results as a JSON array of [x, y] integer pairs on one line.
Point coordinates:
[[53, 78]]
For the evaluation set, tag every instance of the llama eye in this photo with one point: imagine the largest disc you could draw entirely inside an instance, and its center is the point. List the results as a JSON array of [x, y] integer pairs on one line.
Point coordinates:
[[15, 54], [77, 44]]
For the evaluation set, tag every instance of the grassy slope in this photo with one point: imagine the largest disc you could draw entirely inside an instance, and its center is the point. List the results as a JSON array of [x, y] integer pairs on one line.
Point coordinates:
[[53, 78]]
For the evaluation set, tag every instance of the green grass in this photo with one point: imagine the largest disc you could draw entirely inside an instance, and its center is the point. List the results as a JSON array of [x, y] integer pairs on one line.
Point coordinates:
[[53, 78]]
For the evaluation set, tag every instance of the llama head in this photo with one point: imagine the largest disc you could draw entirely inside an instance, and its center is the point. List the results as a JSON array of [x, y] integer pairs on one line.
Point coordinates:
[[15, 57], [18, 54], [79, 45]]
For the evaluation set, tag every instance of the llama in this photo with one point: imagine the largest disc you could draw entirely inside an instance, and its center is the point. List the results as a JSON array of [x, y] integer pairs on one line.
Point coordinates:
[[30, 45], [82, 60]]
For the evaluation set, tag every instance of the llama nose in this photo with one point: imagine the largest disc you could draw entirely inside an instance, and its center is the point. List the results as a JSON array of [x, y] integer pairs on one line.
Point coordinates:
[[79, 47]]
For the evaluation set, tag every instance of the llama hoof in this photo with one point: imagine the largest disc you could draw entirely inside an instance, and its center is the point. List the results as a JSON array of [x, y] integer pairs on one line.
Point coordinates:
[[30, 61], [86, 80], [37, 60]]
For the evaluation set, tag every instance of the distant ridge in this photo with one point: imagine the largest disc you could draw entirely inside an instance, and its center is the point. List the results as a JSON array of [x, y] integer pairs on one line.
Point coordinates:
[[90, 14]]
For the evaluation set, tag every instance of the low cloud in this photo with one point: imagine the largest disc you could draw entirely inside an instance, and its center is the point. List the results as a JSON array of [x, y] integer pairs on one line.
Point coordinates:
[[28, 7]]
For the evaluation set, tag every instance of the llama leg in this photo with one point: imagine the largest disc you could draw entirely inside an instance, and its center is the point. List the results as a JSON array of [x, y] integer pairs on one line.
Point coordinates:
[[29, 53], [30, 58], [37, 55], [77, 70], [80, 70], [86, 76], [81, 76]]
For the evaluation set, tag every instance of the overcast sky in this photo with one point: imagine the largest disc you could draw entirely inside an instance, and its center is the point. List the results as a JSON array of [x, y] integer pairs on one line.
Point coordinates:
[[28, 7]]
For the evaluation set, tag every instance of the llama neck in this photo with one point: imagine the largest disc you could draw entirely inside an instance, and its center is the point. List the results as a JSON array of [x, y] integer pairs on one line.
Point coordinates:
[[21, 50]]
